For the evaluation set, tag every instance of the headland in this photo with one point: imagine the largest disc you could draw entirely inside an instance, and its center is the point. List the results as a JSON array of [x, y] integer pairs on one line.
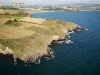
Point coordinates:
[[27, 38]]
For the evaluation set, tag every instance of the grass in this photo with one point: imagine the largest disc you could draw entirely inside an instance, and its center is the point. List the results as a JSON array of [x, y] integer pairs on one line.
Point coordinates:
[[25, 45], [14, 23], [32, 37], [13, 13], [49, 22], [10, 16], [2, 47], [10, 8], [16, 16], [8, 32]]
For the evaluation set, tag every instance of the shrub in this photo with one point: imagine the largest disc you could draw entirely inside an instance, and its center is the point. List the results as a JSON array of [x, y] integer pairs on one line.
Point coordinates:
[[9, 22], [6, 13], [14, 23], [15, 20]]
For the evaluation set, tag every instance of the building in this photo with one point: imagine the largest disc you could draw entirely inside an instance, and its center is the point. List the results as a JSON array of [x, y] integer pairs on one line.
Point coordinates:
[[11, 5]]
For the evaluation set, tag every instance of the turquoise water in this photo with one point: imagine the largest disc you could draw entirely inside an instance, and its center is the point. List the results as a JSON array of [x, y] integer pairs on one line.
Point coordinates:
[[82, 57]]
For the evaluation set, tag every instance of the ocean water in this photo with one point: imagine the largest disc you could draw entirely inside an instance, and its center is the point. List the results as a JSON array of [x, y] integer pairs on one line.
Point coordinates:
[[82, 57]]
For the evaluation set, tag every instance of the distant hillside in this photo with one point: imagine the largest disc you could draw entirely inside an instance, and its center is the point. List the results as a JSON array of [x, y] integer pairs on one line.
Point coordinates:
[[13, 12]]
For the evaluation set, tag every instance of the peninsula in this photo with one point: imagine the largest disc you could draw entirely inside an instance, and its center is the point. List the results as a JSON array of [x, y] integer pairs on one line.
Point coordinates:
[[27, 38]]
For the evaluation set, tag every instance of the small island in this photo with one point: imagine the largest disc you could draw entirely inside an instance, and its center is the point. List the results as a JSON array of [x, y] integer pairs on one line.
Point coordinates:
[[28, 39]]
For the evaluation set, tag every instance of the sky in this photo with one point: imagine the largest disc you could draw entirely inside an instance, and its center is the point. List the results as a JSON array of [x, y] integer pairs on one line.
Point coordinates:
[[53, 1]]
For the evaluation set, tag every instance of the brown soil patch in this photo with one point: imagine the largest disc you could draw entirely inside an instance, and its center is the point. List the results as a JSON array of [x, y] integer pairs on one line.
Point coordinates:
[[34, 20], [8, 32], [9, 11], [2, 11], [3, 20], [12, 11]]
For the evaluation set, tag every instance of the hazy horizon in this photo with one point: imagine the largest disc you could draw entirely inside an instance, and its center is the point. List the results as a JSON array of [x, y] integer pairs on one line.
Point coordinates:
[[53, 1]]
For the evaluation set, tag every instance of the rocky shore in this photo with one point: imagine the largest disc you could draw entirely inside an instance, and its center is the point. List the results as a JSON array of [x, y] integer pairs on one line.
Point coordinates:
[[34, 57], [27, 39]]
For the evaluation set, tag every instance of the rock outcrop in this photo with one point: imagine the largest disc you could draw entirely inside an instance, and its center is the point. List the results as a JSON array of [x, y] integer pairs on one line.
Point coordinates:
[[7, 51]]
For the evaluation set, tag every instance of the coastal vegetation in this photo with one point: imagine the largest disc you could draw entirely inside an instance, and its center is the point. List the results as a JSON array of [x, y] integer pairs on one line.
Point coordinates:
[[28, 38], [13, 23], [13, 13]]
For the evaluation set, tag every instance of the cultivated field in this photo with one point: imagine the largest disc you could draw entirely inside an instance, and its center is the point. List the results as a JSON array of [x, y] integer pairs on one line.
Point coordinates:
[[10, 32], [12, 11], [34, 20], [9, 11], [2, 11], [3, 20], [7, 32]]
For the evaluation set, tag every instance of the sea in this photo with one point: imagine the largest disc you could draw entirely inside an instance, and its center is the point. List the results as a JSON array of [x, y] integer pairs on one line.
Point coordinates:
[[82, 57]]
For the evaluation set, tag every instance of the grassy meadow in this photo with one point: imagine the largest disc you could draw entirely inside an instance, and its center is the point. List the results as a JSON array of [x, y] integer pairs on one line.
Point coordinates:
[[31, 34]]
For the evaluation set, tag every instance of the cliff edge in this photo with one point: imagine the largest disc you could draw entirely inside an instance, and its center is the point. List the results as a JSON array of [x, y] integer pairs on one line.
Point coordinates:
[[28, 39]]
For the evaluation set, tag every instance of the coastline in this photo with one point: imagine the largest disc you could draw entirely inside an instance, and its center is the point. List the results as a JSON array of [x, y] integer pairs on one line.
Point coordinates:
[[49, 50], [33, 47], [44, 11]]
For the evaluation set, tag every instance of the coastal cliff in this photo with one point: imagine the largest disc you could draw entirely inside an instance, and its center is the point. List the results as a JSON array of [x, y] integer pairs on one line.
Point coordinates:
[[28, 39], [33, 47]]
